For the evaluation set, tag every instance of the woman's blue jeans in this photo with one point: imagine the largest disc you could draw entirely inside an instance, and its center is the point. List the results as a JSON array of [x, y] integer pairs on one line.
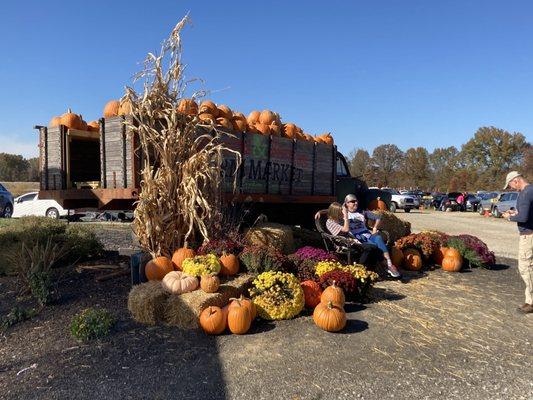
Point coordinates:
[[378, 241]]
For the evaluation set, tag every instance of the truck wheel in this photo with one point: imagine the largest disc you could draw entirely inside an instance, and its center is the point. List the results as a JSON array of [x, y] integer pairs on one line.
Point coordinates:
[[407, 210], [8, 211], [52, 213], [392, 207]]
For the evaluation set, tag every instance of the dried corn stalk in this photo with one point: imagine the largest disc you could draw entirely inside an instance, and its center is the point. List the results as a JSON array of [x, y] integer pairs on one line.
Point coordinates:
[[181, 176]]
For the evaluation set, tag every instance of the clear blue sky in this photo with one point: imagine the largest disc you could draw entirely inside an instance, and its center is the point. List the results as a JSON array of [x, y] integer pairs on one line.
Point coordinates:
[[405, 72]]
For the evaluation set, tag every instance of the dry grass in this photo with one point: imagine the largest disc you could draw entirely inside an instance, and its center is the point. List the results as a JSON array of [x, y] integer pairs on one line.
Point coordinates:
[[182, 176], [20, 188], [146, 302]]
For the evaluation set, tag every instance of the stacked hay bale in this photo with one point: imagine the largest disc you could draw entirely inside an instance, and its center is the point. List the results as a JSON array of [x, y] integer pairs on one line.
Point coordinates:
[[270, 234], [396, 227]]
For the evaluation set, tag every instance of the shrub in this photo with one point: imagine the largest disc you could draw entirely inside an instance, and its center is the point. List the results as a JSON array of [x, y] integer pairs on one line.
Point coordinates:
[[425, 243], [485, 256], [303, 269], [16, 315], [314, 253], [342, 279], [258, 259], [468, 254], [219, 247], [91, 324]]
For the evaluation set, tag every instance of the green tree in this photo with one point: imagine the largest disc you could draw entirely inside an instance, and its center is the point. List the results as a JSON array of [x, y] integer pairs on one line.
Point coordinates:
[[13, 167], [33, 169], [443, 163], [359, 162], [415, 168], [387, 159]]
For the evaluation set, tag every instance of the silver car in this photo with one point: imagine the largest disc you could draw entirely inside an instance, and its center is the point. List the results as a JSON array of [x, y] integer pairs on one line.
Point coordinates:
[[506, 202]]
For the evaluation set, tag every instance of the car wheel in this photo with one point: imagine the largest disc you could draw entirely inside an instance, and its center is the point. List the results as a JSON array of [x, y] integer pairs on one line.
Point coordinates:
[[392, 207], [496, 213], [52, 213], [8, 211], [407, 210], [480, 210]]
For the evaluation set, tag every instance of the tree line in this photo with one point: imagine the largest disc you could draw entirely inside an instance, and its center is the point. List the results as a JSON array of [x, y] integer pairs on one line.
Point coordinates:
[[15, 168], [480, 164]]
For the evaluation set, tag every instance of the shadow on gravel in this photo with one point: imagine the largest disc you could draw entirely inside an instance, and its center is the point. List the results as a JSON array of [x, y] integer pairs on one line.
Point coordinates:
[[379, 294], [260, 326], [498, 267], [354, 326]]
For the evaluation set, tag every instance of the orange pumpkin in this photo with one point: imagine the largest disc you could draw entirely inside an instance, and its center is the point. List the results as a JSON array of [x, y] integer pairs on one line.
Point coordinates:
[[157, 268], [54, 122], [312, 293], [82, 126], [71, 120], [93, 126], [240, 115], [225, 112], [453, 261], [308, 137], [412, 260], [396, 256], [208, 107], [229, 264], [377, 204], [267, 117], [252, 129], [180, 255], [210, 283], [253, 117], [125, 107], [334, 294], [208, 118], [239, 318], [329, 316], [111, 108], [246, 303], [438, 255], [213, 320], [262, 128], [275, 129], [239, 124], [290, 131], [224, 122], [188, 106]]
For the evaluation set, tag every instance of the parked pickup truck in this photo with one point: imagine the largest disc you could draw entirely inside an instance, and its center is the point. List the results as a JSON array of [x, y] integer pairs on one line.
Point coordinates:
[[400, 201]]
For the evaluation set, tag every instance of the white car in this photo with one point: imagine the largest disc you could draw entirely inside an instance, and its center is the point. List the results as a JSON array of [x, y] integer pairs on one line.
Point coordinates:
[[30, 204]]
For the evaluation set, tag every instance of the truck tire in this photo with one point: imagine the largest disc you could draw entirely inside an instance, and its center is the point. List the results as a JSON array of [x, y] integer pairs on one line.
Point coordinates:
[[8, 211], [392, 207], [407, 210]]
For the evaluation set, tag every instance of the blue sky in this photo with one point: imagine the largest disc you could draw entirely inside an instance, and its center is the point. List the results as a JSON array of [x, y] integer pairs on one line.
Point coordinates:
[[412, 73]]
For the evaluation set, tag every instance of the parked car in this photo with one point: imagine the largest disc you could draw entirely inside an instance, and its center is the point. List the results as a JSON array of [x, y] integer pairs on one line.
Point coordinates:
[[472, 202], [506, 202], [449, 201], [6, 202], [487, 201], [415, 194], [402, 201], [30, 204]]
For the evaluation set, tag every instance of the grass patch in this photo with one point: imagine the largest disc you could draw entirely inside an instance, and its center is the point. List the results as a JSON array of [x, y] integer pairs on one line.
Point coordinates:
[[20, 188]]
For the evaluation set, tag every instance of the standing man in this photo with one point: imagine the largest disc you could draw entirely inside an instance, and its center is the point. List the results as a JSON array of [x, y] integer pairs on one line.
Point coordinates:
[[523, 216]]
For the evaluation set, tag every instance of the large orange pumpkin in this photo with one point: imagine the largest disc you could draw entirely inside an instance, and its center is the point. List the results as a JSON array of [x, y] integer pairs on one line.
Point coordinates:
[[55, 121], [325, 138], [93, 126], [290, 131], [82, 126], [267, 117], [453, 261], [71, 120], [239, 318], [396, 256], [210, 283], [229, 264], [225, 112], [377, 204], [188, 106], [275, 129], [180, 255], [213, 320], [157, 268], [208, 118], [412, 260], [308, 137], [224, 122], [334, 294], [246, 303], [208, 107], [312, 293], [263, 128], [239, 124], [253, 117], [111, 108], [438, 256], [125, 107], [329, 316], [252, 129]]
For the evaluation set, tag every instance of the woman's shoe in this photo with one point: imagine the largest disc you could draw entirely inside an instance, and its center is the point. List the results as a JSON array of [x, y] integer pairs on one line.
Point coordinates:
[[393, 271]]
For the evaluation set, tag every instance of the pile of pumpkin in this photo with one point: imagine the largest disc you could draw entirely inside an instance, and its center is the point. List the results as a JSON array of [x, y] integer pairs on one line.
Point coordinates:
[[328, 305], [263, 122], [74, 121]]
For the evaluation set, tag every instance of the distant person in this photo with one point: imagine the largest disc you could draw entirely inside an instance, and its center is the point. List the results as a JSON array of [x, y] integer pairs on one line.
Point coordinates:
[[460, 200], [523, 216], [348, 219]]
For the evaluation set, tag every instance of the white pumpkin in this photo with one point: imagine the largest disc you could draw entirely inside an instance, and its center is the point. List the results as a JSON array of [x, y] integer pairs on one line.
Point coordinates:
[[177, 282]]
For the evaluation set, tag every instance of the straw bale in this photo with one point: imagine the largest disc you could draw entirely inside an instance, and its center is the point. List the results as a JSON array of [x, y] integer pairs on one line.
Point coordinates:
[[184, 310], [272, 235], [146, 302], [396, 227]]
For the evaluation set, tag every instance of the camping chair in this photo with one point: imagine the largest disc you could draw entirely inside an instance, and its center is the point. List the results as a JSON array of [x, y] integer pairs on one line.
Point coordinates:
[[346, 246]]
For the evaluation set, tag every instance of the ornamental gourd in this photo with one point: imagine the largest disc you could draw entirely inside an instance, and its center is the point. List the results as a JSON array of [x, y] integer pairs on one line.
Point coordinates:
[[188, 106], [248, 303], [111, 108], [180, 255], [396, 256], [208, 107], [71, 120], [176, 282], [239, 318], [329, 316], [312, 293], [210, 283], [333, 294], [213, 320], [157, 268], [229, 264], [412, 260], [453, 261]]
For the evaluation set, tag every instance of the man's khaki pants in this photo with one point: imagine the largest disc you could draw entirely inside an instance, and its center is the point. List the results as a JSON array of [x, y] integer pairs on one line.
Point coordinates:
[[525, 264]]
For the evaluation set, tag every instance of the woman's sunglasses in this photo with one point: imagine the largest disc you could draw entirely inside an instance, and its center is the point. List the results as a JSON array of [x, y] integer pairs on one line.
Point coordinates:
[[352, 201]]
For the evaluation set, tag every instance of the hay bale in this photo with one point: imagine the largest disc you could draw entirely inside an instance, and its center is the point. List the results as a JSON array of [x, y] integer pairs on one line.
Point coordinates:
[[184, 310], [273, 235], [147, 301], [396, 227]]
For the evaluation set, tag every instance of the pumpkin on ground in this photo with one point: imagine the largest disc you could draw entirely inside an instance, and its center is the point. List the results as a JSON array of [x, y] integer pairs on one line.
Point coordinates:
[[208, 107], [111, 108], [329, 316], [176, 282], [55, 121], [157, 268], [253, 117], [239, 318], [453, 261], [438, 255], [248, 303], [412, 259], [188, 106], [180, 255], [334, 294], [210, 283], [377, 204], [213, 320], [229, 264], [312, 293], [71, 120], [396, 256]]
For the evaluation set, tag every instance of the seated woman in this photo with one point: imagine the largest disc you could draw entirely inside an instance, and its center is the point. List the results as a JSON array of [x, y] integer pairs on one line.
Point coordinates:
[[346, 219]]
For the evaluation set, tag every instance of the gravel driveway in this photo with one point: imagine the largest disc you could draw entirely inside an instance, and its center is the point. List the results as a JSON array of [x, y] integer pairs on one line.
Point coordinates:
[[499, 234]]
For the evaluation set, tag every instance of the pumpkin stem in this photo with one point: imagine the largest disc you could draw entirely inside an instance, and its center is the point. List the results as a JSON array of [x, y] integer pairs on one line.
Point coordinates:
[[333, 284], [330, 305], [69, 110]]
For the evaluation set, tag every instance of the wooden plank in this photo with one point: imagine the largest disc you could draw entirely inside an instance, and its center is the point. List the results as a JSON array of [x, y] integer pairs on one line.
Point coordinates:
[[255, 163], [280, 165], [303, 167]]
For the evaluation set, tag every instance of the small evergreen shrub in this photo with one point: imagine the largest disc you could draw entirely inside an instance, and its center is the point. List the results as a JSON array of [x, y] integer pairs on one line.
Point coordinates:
[[91, 324]]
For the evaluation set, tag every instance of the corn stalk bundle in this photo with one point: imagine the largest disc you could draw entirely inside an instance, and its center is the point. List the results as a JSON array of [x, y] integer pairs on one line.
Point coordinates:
[[181, 175]]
